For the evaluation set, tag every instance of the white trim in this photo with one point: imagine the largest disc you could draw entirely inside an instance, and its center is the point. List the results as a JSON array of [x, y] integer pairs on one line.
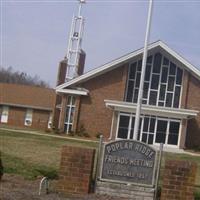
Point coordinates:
[[150, 81], [180, 133], [50, 120], [167, 133], [141, 128], [70, 121], [182, 85], [127, 81], [160, 77], [107, 67], [155, 131], [28, 117], [152, 110], [189, 66], [116, 131], [150, 78], [115, 63], [4, 114], [112, 124], [157, 118], [73, 91]]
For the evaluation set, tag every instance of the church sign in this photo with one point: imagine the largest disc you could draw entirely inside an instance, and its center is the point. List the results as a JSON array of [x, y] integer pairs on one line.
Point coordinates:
[[128, 161]]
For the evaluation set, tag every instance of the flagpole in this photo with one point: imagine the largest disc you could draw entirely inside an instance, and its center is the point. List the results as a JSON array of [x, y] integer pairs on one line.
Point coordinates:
[[139, 101]]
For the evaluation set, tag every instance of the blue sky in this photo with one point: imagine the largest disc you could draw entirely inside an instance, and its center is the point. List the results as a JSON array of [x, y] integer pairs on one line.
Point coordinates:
[[34, 34]]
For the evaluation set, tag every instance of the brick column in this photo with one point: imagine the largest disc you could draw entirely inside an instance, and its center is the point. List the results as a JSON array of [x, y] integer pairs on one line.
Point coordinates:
[[62, 113], [75, 170], [178, 180], [183, 134], [76, 114], [60, 80]]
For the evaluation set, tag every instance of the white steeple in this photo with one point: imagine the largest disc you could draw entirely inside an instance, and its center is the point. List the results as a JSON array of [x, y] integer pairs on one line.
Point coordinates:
[[75, 43]]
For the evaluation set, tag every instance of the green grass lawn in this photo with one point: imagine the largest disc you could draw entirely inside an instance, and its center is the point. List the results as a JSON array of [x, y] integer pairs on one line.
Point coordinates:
[[32, 155], [29, 155]]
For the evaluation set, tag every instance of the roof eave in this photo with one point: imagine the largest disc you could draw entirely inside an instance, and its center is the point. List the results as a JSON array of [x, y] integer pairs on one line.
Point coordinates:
[[73, 92], [27, 106], [115, 63], [190, 67], [152, 110], [106, 67]]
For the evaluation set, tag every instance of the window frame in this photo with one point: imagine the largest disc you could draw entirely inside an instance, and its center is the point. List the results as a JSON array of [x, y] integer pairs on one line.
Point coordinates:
[[50, 120], [28, 117], [131, 115], [68, 115], [159, 103], [4, 114]]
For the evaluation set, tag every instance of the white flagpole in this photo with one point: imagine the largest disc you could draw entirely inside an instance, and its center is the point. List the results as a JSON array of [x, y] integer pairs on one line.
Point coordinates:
[[139, 101]]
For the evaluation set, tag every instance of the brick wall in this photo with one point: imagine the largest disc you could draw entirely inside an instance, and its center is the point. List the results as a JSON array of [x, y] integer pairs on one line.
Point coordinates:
[[178, 180], [184, 89], [193, 102], [40, 119], [94, 115], [16, 117], [76, 169], [62, 68], [81, 64]]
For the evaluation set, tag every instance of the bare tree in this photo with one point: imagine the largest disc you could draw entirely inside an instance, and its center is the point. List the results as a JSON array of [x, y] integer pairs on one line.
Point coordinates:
[[10, 76]]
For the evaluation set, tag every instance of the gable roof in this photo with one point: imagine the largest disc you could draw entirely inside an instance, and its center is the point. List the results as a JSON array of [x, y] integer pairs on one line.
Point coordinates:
[[27, 96], [119, 61]]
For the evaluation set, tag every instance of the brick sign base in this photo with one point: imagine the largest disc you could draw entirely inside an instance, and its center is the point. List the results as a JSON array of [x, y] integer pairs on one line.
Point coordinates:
[[131, 192], [178, 180], [75, 170]]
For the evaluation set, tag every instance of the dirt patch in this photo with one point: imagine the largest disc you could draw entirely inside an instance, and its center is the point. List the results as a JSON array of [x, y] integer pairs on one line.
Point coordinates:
[[13, 187]]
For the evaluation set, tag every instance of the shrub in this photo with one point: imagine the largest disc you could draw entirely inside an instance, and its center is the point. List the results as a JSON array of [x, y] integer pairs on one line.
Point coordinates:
[[82, 132], [85, 134], [56, 131], [47, 130], [158, 193], [71, 133], [98, 135], [196, 148], [197, 195]]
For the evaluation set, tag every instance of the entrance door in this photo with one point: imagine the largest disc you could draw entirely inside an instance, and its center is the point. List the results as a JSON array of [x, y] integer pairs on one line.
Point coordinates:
[[148, 129], [161, 131], [123, 128], [173, 133]]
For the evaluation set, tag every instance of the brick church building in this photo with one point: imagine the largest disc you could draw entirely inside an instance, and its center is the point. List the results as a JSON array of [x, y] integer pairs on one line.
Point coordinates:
[[103, 100], [26, 106]]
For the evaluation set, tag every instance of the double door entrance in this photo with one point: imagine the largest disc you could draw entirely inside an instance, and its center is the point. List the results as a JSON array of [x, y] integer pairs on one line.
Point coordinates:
[[152, 129]]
